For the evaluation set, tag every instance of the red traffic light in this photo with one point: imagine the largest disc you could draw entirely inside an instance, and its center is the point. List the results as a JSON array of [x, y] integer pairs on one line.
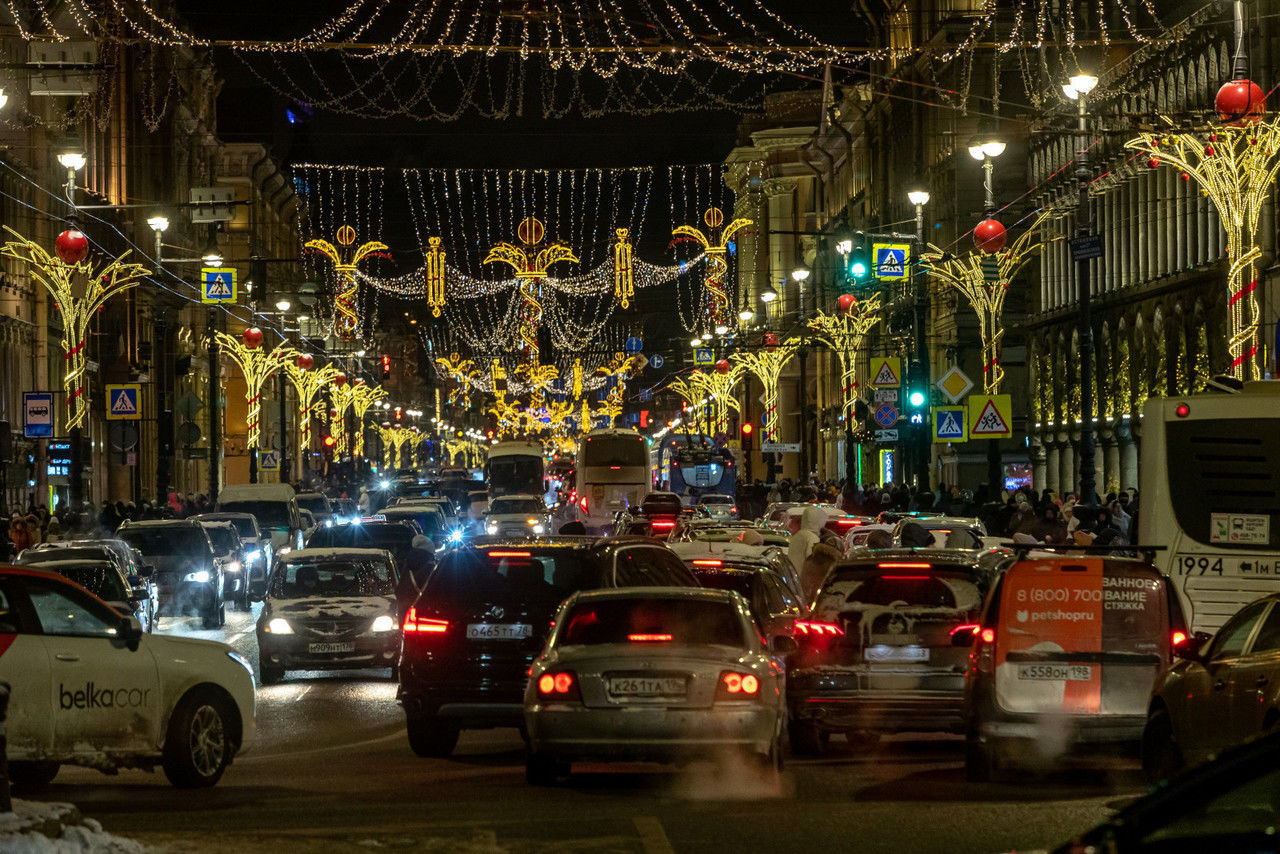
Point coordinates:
[[329, 441], [747, 428]]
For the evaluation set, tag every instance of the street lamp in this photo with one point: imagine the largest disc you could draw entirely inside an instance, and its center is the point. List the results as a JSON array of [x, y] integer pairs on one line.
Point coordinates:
[[768, 295], [212, 255], [73, 160], [746, 315], [844, 245], [920, 366], [158, 223], [1078, 89], [283, 305], [722, 329], [985, 149], [801, 273]]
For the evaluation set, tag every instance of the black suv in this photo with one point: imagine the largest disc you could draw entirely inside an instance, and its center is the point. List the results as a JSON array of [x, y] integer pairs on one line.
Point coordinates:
[[485, 614]]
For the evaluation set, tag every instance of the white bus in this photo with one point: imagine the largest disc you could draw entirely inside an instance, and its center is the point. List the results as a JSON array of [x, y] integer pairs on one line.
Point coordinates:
[[1210, 495], [516, 467], [612, 475]]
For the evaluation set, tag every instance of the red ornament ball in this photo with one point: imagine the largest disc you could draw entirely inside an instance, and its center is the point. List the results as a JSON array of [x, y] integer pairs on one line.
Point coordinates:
[[1213, 137], [305, 361], [252, 337], [770, 340], [340, 380], [1153, 162], [1185, 176], [386, 423], [846, 302], [1240, 102], [990, 235], [722, 366], [358, 381], [333, 413], [71, 246], [1208, 151]]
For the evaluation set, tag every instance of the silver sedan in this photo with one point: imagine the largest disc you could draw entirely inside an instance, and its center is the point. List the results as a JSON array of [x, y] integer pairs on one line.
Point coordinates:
[[653, 674]]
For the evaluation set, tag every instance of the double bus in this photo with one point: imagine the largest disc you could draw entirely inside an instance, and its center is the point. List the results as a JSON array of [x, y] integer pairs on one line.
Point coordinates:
[[691, 465], [612, 475], [515, 467], [1210, 494]]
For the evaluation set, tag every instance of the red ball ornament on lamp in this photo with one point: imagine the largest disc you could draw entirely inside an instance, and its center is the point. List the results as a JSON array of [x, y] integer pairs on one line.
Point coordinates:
[[722, 366], [340, 380], [305, 361], [71, 246], [1240, 102], [358, 381], [846, 302], [770, 340], [333, 413], [386, 424], [252, 337], [990, 235]]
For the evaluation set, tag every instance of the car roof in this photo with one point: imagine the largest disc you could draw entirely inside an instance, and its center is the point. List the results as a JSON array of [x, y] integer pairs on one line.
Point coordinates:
[[519, 496], [957, 557], [33, 572], [161, 523], [69, 562], [560, 541], [218, 523], [703, 593], [720, 498], [738, 552], [222, 516], [331, 553]]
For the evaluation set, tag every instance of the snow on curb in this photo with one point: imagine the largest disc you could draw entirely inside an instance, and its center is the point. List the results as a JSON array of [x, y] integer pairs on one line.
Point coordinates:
[[35, 827]]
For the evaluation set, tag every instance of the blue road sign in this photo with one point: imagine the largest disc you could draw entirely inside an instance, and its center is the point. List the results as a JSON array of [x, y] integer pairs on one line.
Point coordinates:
[[37, 414], [703, 355], [219, 284], [891, 260], [122, 403], [269, 460], [634, 344], [886, 415], [656, 361]]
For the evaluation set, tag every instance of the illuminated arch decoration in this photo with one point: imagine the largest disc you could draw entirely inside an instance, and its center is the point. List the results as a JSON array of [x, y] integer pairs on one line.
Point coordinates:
[[842, 334], [256, 365], [766, 365]]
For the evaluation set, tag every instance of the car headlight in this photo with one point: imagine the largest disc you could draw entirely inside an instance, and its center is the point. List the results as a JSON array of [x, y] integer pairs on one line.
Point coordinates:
[[492, 528], [328, 523], [531, 521], [455, 536], [386, 484], [240, 660], [279, 626], [253, 554], [385, 623], [283, 550], [200, 576], [233, 566], [538, 529]]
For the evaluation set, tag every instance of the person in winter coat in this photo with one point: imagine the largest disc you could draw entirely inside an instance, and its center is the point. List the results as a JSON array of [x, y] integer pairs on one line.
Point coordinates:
[[53, 531], [19, 534]]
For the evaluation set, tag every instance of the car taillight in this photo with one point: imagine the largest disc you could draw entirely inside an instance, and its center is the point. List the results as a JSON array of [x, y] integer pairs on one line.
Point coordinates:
[[733, 509], [1179, 638], [649, 638], [560, 685], [664, 525], [583, 503], [425, 625], [817, 628], [708, 563], [983, 654], [737, 686], [965, 627]]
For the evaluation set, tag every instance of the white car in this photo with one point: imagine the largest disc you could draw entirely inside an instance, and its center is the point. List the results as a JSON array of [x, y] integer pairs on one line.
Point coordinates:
[[721, 507], [89, 688], [517, 516]]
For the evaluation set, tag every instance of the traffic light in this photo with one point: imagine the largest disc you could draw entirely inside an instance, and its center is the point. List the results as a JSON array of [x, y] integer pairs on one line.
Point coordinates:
[[329, 441], [386, 368], [917, 395], [860, 260], [747, 430], [399, 413]]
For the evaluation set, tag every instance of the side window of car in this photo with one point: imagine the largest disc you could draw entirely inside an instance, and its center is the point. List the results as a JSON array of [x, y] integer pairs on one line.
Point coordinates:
[[769, 588], [642, 566], [1232, 637], [1268, 639], [786, 600], [10, 619], [64, 612]]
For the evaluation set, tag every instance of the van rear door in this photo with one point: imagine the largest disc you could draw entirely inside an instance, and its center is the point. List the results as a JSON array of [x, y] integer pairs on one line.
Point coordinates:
[[1081, 636]]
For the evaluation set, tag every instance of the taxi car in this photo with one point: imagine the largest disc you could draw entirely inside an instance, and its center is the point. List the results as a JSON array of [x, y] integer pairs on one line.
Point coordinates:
[[657, 674], [89, 688]]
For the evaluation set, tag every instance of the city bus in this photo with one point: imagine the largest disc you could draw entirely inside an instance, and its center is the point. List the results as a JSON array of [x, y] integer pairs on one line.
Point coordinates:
[[691, 465], [515, 468], [1210, 494], [612, 475]]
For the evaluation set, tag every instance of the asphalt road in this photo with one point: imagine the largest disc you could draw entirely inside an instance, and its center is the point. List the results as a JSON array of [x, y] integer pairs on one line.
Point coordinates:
[[331, 770]]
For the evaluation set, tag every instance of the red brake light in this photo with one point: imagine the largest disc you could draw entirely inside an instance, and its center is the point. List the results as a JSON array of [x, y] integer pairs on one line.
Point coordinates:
[[906, 577], [510, 554], [967, 627], [583, 504], [904, 566], [663, 524], [708, 563], [414, 623], [562, 685], [650, 638], [848, 522], [737, 686], [615, 468], [1179, 638], [988, 635], [818, 627]]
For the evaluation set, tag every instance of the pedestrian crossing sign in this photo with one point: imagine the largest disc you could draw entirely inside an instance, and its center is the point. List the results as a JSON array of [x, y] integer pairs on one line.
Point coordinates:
[[269, 460], [219, 284], [949, 424], [891, 260], [122, 403], [886, 372], [990, 416]]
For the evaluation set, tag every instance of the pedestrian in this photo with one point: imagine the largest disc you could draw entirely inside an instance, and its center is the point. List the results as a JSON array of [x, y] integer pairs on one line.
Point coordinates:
[[19, 535], [53, 531]]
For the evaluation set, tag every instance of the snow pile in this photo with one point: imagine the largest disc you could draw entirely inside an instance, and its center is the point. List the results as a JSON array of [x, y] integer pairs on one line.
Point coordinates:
[[35, 827]]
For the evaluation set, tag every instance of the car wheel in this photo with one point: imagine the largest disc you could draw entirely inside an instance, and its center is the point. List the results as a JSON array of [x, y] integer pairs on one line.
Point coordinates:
[[32, 775], [806, 739], [197, 745], [543, 770], [1161, 756], [269, 674], [431, 736]]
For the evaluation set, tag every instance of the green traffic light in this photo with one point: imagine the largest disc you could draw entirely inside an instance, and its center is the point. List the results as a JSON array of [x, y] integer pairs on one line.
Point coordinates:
[[858, 269], [916, 399]]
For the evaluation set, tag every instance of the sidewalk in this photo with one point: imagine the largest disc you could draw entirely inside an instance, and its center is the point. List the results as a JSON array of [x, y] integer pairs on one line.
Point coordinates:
[[35, 827]]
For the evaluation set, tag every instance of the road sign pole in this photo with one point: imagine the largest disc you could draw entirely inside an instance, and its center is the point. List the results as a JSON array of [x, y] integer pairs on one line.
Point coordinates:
[[215, 431], [920, 439], [284, 429], [164, 422]]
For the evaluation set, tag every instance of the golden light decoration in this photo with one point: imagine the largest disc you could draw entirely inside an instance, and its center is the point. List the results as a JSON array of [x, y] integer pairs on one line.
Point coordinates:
[[715, 244], [256, 364], [346, 318], [77, 309], [842, 333], [624, 281], [713, 390], [308, 383], [394, 441], [984, 279], [433, 269], [363, 397], [464, 372], [766, 365], [1235, 166], [530, 264]]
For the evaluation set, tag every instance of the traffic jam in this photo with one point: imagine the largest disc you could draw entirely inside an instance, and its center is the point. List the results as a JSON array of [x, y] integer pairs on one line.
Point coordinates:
[[676, 630]]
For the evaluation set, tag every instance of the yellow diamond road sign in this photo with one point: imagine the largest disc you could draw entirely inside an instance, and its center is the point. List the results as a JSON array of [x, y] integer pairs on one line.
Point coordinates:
[[955, 384]]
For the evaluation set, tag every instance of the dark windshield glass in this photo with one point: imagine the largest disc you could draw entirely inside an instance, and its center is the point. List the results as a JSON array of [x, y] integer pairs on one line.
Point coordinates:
[[515, 474], [653, 620], [504, 575], [331, 578], [427, 521], [531, 506], [244, 527], [30, 556], [392, 537], [167, 540], [314, 503], [101, 580], [623, 451], [224, 539], [934, 587], [270, 514], [661, 504], [739, 582]]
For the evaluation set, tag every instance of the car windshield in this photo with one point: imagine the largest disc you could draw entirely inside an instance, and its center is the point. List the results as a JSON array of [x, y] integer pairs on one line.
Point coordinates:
[[224, 539], [167, 540], [650, 619], [393, 537], [314, 503], [1238, 817], [270, 514], [100, 579], [738, 582], [914, 586], [506, 574], [332, 578], [527, 506], [661, 504], [715, 499], [429, 522], [244, 526]]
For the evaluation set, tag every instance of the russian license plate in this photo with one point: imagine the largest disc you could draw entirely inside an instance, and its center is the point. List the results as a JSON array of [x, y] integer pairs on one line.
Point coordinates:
[[647, 686], [499, 631], [331, 647], [911, 653], [1056, 672]]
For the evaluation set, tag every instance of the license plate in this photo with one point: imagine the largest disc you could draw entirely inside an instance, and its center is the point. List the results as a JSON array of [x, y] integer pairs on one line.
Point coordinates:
[[884, 652], [1056, 672], [331, 647], [499, 631], [647, 686]]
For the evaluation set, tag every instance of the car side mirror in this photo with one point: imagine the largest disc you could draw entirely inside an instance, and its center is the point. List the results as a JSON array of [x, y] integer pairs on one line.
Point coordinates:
[[963, 636], [130, 631], [1191, 647], [783, 645], [141, 595], [147, 570]]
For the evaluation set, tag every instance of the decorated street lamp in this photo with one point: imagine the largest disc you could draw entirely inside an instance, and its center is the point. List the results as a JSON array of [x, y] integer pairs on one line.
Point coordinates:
[[256, 366]]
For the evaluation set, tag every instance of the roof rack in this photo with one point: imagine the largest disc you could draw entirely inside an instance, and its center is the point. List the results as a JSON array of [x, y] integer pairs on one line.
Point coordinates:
[[1147, 553]]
